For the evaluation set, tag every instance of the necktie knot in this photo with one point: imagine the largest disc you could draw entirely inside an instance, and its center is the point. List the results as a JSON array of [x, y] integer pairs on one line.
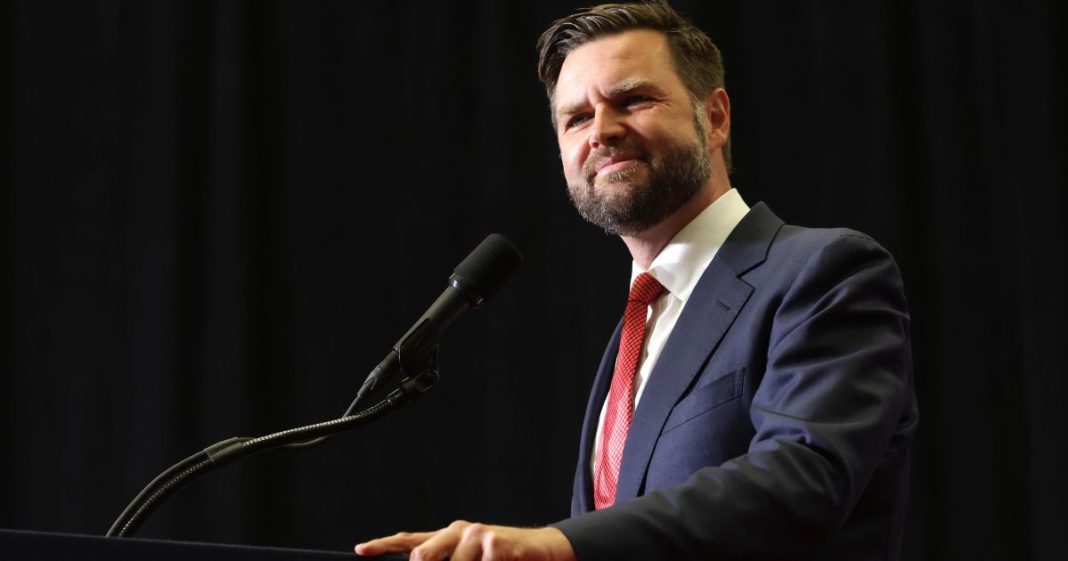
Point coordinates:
[[645, 290]]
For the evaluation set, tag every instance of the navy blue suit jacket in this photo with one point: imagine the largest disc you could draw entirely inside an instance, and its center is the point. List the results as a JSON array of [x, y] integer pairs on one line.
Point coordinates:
[[777, 421]]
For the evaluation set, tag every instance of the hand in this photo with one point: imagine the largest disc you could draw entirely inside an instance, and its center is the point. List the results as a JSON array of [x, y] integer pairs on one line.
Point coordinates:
[[464, 541]]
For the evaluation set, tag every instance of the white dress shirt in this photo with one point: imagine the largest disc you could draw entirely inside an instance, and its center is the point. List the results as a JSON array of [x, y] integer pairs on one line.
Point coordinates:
[[678, 267]]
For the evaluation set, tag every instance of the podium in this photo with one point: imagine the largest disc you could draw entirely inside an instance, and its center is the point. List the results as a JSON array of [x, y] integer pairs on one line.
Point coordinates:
[[20, 545]]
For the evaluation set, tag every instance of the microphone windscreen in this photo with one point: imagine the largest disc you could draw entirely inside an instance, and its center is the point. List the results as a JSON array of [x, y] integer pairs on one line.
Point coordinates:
[[486, 268]]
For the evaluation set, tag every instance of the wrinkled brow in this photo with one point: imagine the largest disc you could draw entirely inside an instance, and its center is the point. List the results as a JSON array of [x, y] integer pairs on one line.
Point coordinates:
[[614, 91]]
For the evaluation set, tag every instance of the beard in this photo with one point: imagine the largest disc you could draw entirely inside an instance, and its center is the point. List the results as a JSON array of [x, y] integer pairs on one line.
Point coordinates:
[[625, 205]]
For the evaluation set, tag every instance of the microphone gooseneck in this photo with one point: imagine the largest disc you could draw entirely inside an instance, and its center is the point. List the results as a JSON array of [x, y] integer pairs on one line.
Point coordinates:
[[477, 277]]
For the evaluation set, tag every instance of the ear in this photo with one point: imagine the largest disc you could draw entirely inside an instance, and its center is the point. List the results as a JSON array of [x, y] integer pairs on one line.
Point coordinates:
[[718, 115]]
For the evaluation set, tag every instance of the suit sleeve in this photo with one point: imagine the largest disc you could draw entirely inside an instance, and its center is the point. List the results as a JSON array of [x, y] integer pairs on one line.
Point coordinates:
[[836, 386]]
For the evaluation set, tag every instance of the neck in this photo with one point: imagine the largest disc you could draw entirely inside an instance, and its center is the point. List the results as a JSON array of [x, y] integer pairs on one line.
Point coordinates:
[[646, 245]]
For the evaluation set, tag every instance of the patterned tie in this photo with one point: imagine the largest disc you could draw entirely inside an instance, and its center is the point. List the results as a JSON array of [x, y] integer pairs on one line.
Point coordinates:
[[617, 418]]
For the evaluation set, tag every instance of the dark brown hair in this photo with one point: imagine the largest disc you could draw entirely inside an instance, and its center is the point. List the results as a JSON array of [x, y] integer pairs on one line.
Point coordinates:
[[697, 60]]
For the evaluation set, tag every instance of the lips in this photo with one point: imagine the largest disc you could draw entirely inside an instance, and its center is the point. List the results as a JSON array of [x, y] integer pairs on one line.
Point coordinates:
[[607, 160], [611, 163]]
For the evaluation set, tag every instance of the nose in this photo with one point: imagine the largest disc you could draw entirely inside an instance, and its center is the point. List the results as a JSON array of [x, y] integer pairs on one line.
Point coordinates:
[[607, 128]]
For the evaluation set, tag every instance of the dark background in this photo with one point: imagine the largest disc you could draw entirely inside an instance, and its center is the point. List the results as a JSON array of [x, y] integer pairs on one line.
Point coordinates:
[[218, 216]]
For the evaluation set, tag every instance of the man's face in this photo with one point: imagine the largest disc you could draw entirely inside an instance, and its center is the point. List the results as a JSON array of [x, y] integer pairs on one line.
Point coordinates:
[[632, 143]]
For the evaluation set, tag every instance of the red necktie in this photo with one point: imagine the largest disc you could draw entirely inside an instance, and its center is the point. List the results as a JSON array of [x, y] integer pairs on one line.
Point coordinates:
[[617, 418]]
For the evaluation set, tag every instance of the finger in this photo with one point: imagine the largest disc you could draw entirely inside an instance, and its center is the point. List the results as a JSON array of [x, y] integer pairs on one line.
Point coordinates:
[[470, 545], [400, 542], [442, 544]]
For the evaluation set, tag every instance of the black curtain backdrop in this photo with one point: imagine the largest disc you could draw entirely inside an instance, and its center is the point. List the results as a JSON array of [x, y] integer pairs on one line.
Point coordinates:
[[218, 216]]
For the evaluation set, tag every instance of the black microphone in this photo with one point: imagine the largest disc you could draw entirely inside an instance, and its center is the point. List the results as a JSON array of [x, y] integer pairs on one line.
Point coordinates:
[[476, 278]]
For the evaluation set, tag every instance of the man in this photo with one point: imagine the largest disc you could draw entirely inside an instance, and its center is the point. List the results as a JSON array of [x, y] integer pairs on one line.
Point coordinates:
[[756, 401]]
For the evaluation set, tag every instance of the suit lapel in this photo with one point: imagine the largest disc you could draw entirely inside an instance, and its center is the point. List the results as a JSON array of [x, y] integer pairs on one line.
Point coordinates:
[[583, 500], [716, 301]]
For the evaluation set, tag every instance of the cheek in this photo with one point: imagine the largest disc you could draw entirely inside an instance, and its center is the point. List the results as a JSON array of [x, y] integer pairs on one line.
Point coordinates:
[[572, 158]]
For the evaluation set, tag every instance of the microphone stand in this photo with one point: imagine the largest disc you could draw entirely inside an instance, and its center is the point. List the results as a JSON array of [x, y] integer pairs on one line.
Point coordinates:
[[232, 449]]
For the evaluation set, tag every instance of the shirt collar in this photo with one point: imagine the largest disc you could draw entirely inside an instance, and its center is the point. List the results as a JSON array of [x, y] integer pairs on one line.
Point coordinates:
[[682, 261]]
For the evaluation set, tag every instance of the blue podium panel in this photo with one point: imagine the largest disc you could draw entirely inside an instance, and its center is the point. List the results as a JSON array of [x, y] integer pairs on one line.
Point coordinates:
[[18, 545]]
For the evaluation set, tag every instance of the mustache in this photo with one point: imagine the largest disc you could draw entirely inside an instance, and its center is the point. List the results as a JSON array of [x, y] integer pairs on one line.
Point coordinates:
[[600, 155]]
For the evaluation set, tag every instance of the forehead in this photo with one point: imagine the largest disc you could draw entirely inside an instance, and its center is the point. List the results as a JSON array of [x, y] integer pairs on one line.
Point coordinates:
[[603, 64]]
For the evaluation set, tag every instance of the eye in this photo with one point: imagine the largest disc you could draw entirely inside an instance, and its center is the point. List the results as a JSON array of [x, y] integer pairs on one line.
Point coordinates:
[[576, 120], [633, 100]]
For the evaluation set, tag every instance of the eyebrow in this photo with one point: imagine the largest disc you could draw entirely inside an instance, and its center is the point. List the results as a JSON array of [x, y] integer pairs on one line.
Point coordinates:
[[616, 90], [628, 86]]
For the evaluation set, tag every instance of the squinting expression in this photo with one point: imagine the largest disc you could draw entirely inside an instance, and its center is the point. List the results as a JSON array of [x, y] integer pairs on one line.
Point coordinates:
[[631, 141]]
